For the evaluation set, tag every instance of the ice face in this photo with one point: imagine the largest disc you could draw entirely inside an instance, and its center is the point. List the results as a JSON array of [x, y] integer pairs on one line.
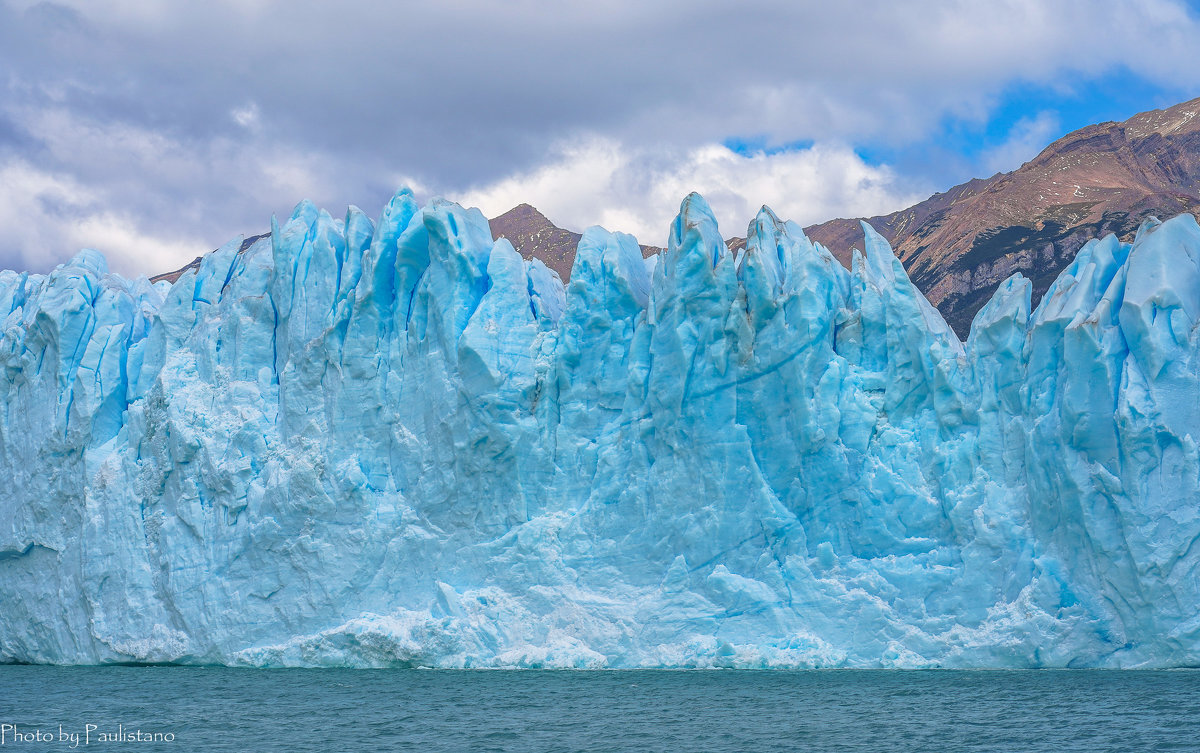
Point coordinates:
[[398, 443]]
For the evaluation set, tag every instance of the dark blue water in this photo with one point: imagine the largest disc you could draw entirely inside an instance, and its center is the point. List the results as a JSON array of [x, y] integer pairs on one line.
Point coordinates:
[[351, 710]]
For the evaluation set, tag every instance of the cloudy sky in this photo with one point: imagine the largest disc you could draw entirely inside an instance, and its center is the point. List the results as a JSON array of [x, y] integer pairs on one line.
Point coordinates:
[[155, 131]]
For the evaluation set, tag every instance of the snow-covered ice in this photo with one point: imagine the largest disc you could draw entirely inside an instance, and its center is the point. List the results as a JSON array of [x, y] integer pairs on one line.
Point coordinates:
[[399, 443]]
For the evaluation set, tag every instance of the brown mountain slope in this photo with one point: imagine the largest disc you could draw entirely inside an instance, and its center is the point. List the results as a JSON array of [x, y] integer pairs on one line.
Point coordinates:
[[959, 245], [533, 235], [1107, 178]]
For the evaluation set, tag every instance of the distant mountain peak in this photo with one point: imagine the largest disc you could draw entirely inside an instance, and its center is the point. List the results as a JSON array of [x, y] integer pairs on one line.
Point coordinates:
[[1164, 122], [523, 210], [533, 235]]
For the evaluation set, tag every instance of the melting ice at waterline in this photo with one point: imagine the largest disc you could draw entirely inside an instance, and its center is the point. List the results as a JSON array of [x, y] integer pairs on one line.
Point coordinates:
[[363, 443]]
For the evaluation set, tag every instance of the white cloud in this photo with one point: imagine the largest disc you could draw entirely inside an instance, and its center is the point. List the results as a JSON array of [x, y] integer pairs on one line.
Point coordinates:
[[246, 116], [132, 193], [199, 118], [1028, 137], [46, 218], [598, 181], [688, 72]]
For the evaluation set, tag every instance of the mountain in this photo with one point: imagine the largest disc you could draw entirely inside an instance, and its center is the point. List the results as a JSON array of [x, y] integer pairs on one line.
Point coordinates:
[[398, 443], [959, 245], [536, 237]]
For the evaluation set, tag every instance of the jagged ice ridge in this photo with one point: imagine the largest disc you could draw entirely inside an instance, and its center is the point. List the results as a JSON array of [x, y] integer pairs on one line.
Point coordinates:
[[398, 443]]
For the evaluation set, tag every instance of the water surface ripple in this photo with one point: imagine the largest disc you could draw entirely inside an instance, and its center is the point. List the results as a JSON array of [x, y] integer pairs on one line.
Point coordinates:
[[216, 709]]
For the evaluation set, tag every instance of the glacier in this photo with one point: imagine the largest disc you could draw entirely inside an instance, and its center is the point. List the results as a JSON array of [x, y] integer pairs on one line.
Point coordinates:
[[398, 443]]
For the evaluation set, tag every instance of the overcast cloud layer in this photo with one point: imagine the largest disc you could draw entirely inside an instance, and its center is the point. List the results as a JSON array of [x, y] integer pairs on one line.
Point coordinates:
[[155, 131]]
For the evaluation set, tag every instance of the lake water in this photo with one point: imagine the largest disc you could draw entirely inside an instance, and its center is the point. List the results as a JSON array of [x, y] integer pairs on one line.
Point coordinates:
[[213, 709]]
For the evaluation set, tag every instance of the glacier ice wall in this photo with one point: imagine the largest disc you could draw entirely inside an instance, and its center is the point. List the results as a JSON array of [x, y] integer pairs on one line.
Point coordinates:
[[399, 443]]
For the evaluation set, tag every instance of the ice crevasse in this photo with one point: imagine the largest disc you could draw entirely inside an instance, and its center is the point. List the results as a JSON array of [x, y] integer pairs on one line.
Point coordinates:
[[398, 443]]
